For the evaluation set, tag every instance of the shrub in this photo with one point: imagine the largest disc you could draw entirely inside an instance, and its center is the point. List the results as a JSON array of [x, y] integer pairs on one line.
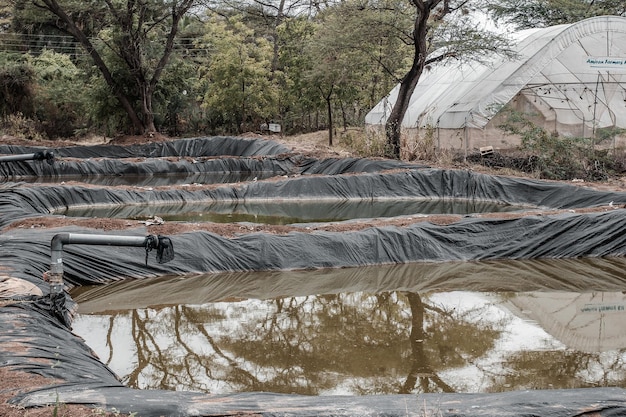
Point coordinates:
[[552, 156]]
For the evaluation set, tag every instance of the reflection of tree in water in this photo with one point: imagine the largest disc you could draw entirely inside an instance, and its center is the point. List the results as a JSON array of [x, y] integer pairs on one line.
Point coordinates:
[[562, 369], [443, 339], [180, 362], [366, 344]]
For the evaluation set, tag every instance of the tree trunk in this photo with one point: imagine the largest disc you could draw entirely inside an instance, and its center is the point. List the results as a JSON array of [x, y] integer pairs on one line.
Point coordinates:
[[146, 110], [393, 126], [279, 19], [420, 368], [241, 126], [178, 10], [329, 109]]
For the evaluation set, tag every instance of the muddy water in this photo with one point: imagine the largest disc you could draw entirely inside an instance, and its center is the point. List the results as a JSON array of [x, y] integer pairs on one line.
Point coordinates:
[[462, 327], [289, 212]]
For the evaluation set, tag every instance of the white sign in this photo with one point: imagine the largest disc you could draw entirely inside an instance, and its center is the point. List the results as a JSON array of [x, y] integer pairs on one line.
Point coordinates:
[[606, 63], [274, 127]]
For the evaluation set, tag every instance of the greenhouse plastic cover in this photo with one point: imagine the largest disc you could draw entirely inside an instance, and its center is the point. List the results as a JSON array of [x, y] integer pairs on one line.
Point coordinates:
[[36, 322], [553, 66]]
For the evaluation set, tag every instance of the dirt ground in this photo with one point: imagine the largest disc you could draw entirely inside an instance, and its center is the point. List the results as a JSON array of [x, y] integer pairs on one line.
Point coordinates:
[[315, 144], [14, 382]]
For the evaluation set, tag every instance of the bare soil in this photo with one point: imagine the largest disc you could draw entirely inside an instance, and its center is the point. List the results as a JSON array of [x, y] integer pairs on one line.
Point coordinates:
[[13, 383]]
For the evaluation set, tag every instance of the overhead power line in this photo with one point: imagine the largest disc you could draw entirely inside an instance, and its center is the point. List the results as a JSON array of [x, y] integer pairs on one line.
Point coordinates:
[[25, 43]]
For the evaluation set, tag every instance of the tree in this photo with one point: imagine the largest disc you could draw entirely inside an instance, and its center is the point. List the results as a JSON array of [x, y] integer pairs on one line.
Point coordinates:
[[286, 25], [57, 105], [240, 90], [437, 37], [338, 62], [17, 85], [265, 16], [6, 14], [331, 69], [298, 97], [346, 55], [141, 34], [524, 14]]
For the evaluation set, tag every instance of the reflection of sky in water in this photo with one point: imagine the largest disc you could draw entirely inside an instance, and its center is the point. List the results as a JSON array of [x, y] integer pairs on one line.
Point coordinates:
[[287, 212], [156, 180], [346, 343]]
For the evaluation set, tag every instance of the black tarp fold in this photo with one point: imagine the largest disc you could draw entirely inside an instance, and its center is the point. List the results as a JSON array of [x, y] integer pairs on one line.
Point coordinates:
[[192, 147], [559, 236], [20, 200]]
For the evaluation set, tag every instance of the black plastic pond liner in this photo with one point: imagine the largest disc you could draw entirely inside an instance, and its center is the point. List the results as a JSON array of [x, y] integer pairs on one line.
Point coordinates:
[[34, 330], [192, 147], [193, 151], [191, 156], [332, 166], [559, 236], [85, 168], [18, 201], [601, 402], [153, 166]]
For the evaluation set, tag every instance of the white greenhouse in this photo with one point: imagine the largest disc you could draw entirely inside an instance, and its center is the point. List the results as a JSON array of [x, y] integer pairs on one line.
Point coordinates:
[[569, 79]]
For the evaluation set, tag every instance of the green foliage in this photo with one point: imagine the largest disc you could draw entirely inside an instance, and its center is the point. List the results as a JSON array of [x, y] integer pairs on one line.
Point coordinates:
[[459, 40], [348, 55], [557, 157], [18, 93], [59, 102], [6, 14], [339, 62], [103, 109], [175, 105], [297, 97], [252, 64], [17, 84], [607, 134], [240, 88], [525, 14], [129, 43]]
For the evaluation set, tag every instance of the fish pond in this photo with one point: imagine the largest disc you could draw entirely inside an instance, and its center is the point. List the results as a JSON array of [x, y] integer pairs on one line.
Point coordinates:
[[455, 327]]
